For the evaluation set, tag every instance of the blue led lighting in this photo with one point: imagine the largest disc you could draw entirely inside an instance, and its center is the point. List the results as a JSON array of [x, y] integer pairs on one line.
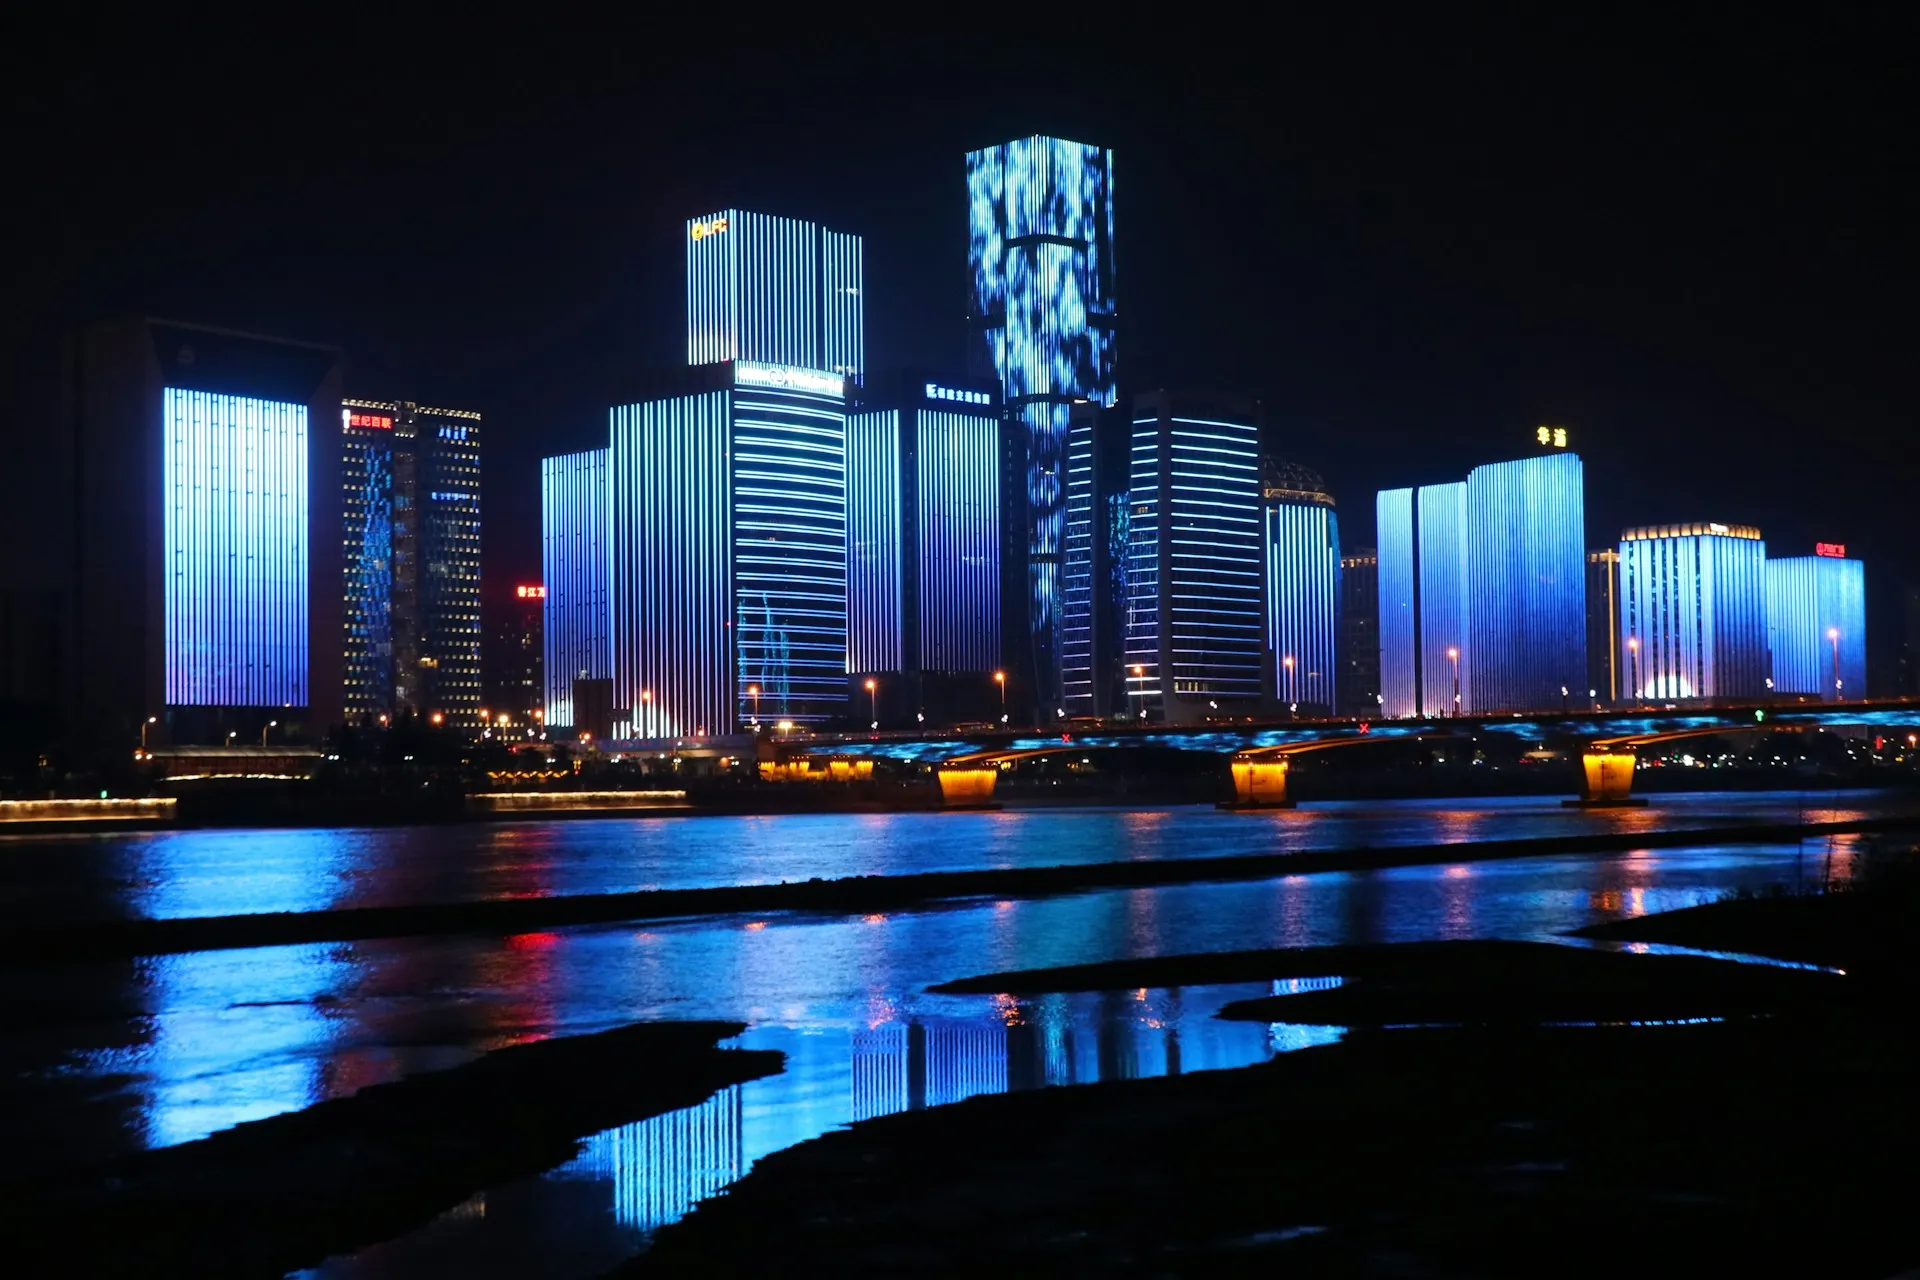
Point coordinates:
[[1809, 599], [575, 527], [775, 289], [367, 510], [235, 488], [1303, 588], [1696, 604], [875, 601], [958, 490]]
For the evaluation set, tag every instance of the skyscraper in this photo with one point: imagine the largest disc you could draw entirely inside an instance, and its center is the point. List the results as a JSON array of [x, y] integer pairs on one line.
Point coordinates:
[[1195, 624], [774, 290], [1604, 641], [516, 654], [1693, 611], [208, 593], [1357, 690], [1483, 590], [923, 532], [1042, 316], [411, 484], [1093, 594], [1817, 625], [1302, 540], [574, 533]]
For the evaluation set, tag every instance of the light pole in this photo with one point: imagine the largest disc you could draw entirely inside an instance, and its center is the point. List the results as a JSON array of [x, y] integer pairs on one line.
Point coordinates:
[[873, 702], [1833, 634], [271, 724], [753, 691], [646, 713], [1000, 678], [145, 725], [1140, 681], [1287, 662], [1454, 656], [1633, 648]]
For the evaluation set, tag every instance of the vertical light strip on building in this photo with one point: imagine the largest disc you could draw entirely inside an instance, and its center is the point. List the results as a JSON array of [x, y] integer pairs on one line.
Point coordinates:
[[1446, 670], [574, 531], [1526, 555], [874, 600], [1077, 593], [367, 557], [1145, 564], [1817, 612], [671, 517], [1303, 588], [790, 551], [1213, 551], [1399, 606], [1694, 600], [958, 481], [235, 531], [712, 288], [843, 304]]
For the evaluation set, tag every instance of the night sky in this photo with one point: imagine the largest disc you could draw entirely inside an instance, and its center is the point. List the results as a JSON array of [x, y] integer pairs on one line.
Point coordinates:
[[1691, 242]]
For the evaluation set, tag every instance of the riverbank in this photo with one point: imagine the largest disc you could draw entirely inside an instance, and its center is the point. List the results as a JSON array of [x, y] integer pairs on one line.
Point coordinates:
[[117, 939], [276, 1194]]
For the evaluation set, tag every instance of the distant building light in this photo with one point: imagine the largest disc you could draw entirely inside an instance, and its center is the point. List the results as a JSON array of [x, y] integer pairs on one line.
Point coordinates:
[[530, 593], [1833, 550], [935, 391], [788, 377]]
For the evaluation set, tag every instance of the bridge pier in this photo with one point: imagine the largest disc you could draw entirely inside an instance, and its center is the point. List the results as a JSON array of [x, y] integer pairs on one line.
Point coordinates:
[[1608, 783], [1260, 784], [968, 786]]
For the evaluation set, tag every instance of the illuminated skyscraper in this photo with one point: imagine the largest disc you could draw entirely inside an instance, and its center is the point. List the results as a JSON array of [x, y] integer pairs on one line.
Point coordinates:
[[1817, 623], [516, 687], [1357, 689], [1093, 596], [774, 290], [1302, 536], [208, 592], [923, 532], [411, 482], [574, 533], [1693, 600], [1605, 643], [1483, 590], [1040, 253], [1195, 624]]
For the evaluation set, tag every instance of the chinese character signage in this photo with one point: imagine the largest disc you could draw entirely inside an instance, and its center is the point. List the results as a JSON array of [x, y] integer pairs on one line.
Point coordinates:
[[530, 593], [1836, 550], [1551, 437]]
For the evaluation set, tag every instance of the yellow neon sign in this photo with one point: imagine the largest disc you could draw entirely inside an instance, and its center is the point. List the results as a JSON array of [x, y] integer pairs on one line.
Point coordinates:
[[1555, 436], [709, 227]]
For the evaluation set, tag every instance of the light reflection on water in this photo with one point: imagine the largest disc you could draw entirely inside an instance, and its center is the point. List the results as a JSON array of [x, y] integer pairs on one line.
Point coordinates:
[[214, 872]]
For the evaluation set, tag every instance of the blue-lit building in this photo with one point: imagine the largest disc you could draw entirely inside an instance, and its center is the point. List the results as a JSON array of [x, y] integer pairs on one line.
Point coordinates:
[[1357, 687], [1042, 319], [1093, 592], [1195, 621], [1483, 590], [574, 532], [924, 541], [209, 587], [1817, 624], [775, 290], [726, 553], [1303, 577], [411, 547], [1693, 611]]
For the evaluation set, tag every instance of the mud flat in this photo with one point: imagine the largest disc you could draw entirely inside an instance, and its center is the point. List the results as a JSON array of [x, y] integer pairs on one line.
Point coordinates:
[[272, 1195]]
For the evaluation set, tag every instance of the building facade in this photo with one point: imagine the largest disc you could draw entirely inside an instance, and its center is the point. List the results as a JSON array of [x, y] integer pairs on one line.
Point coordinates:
[[1693, 611], [1817, 626], [575, 530], [1483, 590], [410, 479], [1093, 595], [1195, 621], [924, 536], [516, 658], [1605, 642], [1303, 589], [1357, 688], [208, 577], [775, 290], [1042, 320]]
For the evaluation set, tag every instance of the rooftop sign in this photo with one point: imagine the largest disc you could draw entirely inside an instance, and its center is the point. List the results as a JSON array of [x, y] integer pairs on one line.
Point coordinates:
[[708, 227], [785, 377], [1837, 550]]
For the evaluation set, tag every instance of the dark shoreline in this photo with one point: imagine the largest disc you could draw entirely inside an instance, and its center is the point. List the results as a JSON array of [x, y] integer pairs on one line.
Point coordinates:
[[854, 895]]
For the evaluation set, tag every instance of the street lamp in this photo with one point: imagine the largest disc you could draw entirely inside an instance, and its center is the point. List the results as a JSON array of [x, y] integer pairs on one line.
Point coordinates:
[[785, 726], [1454, 656], [1000, 678], [1287, 662], [753, 691], [271, 724], [646, 713], [1140, 678], [1833, 634], [438, 717], [873, 701], [150, 721], [1633, 648]]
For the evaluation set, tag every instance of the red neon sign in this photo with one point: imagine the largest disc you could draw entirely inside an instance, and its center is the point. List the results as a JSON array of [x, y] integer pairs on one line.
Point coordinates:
[[375, 421], [530, 593], [1838, 550]]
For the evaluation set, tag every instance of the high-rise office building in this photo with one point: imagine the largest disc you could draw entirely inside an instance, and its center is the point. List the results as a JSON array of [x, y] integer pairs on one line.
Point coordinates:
[[514, 663], [774, 290], [208, 585], [1817, 624], [1357, 689], [1693, 611], [411, 503], [1483, 590], [1604, 640], [923, 534], [574, 534], [1302, 537], [1093, 592], [1195, 621], [1041, 311]]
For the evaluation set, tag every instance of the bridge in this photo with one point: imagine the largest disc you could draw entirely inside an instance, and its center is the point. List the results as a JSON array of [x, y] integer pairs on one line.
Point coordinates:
[[968, 766]]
